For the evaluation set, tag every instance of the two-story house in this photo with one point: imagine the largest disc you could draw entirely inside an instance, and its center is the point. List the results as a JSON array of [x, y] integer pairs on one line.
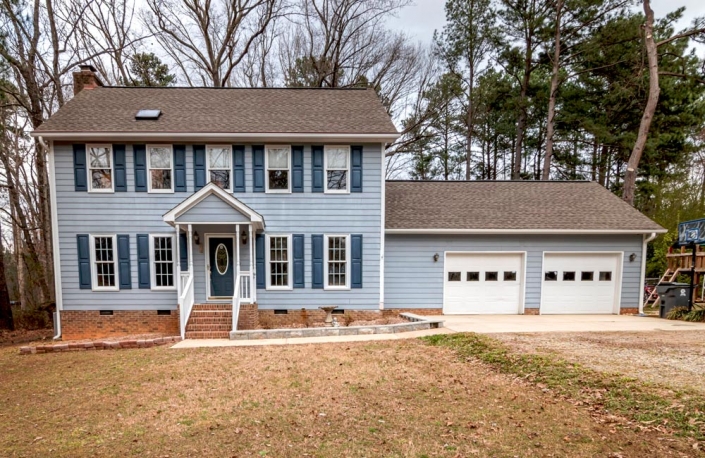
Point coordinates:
[[194, 211]]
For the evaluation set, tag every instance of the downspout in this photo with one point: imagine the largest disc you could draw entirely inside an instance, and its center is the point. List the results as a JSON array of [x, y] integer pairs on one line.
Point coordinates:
[[642, 277], [55, 237]]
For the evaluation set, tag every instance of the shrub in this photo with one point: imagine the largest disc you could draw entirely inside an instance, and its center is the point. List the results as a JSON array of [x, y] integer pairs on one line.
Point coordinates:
[[677, 313], [32, 318], [695, 315]]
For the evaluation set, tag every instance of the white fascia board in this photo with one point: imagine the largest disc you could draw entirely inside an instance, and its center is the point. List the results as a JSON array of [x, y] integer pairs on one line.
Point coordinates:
[[217, 136], [524, 231]]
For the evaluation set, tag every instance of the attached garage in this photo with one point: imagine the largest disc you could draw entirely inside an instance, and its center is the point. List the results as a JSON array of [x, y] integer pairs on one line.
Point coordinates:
[[575, 283], [483, 283]]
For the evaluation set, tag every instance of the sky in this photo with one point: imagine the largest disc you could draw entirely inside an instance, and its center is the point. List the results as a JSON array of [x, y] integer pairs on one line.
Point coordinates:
[[424, 16]]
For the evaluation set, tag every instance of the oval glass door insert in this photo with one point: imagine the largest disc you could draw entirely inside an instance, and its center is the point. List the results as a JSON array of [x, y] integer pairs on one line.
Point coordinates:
[[221, 259]]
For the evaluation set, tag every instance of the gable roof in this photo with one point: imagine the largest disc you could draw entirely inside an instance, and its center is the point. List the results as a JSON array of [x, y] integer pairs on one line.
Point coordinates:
[[223, 111], [509, 207], [212, 189]]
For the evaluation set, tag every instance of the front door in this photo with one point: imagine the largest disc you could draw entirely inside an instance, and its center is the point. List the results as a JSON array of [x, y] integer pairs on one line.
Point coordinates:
[[221, 264]]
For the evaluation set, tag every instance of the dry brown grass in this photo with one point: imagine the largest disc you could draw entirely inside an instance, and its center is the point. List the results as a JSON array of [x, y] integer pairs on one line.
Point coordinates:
[[382, 399]]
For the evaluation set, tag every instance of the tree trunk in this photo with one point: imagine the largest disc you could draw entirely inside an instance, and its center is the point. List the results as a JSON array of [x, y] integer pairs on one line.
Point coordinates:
[[468, 157], [652, 101], [521, 121], [6, 321], [552, 94]]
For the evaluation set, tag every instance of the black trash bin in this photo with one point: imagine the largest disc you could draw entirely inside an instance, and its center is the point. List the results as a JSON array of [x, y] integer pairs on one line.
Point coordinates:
[[672, 295]]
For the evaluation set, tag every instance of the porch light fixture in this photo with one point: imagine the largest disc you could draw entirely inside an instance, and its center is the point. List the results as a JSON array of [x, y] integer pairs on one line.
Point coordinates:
[[243, 237], [435, 257], [196, 238], [632, 257]]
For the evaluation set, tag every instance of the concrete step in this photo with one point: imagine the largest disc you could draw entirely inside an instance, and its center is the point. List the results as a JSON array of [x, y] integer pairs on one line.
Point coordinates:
[[207, 334]]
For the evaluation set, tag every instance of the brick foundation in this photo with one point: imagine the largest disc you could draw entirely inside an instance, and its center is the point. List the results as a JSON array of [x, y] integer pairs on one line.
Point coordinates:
[[531, 311], [90, 324], [629, 311], [269, 320], [248, 317]]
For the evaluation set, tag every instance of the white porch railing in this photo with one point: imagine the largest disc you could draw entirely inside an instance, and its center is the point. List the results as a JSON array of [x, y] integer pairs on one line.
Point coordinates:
[[245, 283], [186, 302], [184, 279], [236, 302]]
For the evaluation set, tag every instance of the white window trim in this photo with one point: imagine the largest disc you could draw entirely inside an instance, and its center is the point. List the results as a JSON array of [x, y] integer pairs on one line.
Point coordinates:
[[149, 170], [230, 169], [266, 170], [268, 269], [348, 263], [152, 268], [94, 271], [88, 167], [325, 171]]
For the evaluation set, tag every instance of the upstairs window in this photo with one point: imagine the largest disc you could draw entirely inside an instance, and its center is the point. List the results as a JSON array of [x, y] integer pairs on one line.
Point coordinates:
[[219, 165], [103, 266], [160, 163], [337, 164], [278, 164], [100, 168]]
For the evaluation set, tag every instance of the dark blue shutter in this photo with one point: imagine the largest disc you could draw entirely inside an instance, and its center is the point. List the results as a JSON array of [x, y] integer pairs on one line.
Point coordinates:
[[238, 168], [297, 169], [356, 166], [259, 261], [84, 261], [79, 168], [140, 153], [317, 181], [298, 242], [317, 261], [143, 261], [120, 168], [258, 168], [356, 255], [123, 248], [199, 166], [183, 251], [180, 168]]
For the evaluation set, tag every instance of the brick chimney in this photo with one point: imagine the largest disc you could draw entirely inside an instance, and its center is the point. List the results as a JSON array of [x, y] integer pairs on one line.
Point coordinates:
[[85, 79]]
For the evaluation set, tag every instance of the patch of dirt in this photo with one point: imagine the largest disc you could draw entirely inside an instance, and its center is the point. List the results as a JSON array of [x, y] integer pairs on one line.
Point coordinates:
[[673, 359], [341, 323], [118, 338], [21, 336], [387, 398]]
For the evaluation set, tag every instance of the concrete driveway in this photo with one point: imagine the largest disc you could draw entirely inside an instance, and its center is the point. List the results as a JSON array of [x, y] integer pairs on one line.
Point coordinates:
[[563, 323]]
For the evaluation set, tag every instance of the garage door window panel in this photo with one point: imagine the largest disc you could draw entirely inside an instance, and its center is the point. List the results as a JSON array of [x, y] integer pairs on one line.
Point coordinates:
[[453, 276], [606, 276], [510, 276], [491, 276], [568, 276], [473, 276], [587, 276], [551, 276]]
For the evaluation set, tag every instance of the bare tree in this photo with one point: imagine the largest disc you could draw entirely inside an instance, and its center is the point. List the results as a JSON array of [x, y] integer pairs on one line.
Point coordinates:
[[208, 39]]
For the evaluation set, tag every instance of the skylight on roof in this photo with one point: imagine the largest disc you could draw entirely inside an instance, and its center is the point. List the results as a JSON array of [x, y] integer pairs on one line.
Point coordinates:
[[148, 114]]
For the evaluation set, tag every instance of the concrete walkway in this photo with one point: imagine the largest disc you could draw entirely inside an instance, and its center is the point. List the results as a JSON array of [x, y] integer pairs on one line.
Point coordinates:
[[563, 323], [484, 324]]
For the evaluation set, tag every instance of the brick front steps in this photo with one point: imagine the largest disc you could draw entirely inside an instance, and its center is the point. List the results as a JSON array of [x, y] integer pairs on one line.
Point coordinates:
[[99, 345], [210, 321], [416, 323]]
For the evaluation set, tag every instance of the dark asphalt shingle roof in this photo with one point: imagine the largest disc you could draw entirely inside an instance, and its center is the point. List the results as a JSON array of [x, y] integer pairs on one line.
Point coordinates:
[[514, 205], [224, 110]]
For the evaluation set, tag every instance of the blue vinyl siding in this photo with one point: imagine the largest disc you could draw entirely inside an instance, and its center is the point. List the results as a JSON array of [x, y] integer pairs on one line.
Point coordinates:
[[135, 213], [414, 280]]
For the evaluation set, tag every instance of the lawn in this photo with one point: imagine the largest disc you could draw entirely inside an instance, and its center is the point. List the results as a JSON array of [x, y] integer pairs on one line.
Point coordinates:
[[410, 398]]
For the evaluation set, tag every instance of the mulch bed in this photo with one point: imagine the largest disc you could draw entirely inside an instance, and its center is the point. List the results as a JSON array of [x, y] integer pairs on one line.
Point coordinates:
[[19, 336]]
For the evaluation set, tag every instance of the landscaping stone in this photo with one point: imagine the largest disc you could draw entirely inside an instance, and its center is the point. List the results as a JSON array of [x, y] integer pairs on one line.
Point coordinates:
[[98, 345]]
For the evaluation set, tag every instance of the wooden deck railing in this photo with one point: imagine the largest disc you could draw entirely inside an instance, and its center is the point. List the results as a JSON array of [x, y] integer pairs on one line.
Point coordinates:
[[683, 259]]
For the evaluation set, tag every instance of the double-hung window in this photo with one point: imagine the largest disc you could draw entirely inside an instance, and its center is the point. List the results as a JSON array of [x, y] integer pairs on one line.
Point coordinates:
[[337, 261], [219, 161], [279, 262], [160, 160], [278, 163], [337, 165], [161, 250], [103, 262], [100, 168]]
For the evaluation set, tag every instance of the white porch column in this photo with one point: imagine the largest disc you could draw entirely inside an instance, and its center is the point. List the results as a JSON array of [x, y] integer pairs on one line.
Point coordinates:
[[237, 251], [253, 284], [189, 244], [178, 262]]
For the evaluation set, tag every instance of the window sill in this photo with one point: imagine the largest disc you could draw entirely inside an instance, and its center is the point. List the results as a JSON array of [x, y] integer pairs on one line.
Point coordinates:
[[105, 191], [279, 288], [336, 191], [103, 290], [337, 288], [277, 191], [160, 191], [163, 288]]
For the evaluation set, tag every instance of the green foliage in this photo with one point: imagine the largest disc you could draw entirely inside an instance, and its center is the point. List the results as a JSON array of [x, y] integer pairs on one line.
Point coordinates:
[[618, 395], [147, 70], [678, 313], [697, 315]]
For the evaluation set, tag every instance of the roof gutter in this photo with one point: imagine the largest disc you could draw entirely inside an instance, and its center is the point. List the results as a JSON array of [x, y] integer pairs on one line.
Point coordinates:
[[526, 231], [223, 136]]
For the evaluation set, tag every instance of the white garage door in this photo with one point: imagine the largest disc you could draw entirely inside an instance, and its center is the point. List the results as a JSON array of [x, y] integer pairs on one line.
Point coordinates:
[[486, 283], [580, 283]]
